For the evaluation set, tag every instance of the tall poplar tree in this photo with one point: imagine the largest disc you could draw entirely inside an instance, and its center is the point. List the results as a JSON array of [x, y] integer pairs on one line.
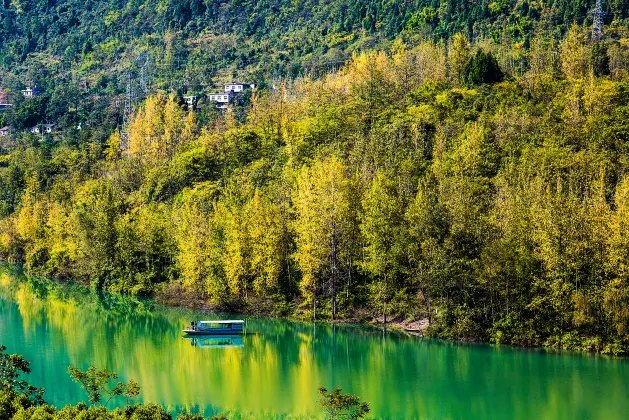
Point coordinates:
[[321, 215]]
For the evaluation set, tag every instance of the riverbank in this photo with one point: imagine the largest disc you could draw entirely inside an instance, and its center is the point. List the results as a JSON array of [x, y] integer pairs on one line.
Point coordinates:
[[176, 296]]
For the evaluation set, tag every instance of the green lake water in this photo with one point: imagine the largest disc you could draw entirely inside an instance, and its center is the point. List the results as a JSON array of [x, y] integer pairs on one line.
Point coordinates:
[[277, 366]]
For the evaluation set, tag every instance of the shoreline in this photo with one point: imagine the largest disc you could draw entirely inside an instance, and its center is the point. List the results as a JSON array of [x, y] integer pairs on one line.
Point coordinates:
[[187, 300], [174, 296]]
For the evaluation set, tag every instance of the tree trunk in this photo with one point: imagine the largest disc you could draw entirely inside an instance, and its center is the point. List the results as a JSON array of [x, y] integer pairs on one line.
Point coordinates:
[[349, 277], [428, 305]]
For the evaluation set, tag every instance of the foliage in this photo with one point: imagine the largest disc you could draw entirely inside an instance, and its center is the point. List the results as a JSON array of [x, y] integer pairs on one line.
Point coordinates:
[[407, 185], [342, 406], [481, 68], [80, 54], [95, 383], [12, 408], [21, 401], [12, 366]]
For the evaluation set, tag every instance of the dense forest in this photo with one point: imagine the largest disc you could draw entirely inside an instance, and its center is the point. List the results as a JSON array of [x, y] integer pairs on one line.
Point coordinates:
[[465, 167]]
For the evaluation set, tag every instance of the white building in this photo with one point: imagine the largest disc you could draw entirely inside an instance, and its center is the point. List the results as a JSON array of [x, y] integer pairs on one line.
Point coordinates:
[[190, 100], [237, 87], [30, 92], [221, 97], [4, 131], [45, 129], [230, 92]]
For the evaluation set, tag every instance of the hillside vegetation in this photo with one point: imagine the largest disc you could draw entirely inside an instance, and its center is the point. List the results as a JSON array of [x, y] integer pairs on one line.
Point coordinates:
[[447, 183], [79, 52]]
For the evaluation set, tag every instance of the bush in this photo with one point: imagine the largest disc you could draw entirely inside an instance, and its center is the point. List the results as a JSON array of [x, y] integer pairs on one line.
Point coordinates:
[[12, 366], [190, 417], [149, 412], [43, 412], [11, 403]]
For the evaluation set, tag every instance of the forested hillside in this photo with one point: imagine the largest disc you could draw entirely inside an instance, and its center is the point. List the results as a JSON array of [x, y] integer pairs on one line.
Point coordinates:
[[460, 163], [80, 54], [479, 187]]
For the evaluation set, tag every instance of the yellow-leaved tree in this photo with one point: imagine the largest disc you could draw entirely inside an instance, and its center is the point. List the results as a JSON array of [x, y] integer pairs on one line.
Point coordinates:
[[616, 292], [159, 127], [574, 54], [322, 211], [459, 53]]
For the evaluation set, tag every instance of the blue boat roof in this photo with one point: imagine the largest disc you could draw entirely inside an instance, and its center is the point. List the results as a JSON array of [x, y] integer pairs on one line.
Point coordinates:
[[236, 321]]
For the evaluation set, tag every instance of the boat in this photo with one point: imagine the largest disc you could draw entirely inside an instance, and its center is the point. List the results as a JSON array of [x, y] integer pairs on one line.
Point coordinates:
[[222, 327]]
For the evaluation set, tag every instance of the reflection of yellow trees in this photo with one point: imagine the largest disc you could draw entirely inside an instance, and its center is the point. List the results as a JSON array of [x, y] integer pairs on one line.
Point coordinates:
[[281, 364], [148, 348], [30, 306]]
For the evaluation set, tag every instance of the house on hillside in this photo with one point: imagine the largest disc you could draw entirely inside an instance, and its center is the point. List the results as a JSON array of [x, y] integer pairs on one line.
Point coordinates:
[[42, 129], [238, 87], [4, 131], [222, 98], [31, 92], [230, 91], [5, 99], [190, 100]]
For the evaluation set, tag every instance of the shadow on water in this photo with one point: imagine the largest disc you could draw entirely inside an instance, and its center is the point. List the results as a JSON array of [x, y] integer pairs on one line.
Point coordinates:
[[278, 365]]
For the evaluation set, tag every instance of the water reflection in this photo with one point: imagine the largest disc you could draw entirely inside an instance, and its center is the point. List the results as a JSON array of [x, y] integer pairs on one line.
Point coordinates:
[[278, 366], [215, 341]]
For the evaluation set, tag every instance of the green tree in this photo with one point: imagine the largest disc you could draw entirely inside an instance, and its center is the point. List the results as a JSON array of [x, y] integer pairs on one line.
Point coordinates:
[[267, 230], [384, 232], [599, 60], [459, 53], [96, 383], [427, 222], [574, 54], [481, 68], [12, 366]]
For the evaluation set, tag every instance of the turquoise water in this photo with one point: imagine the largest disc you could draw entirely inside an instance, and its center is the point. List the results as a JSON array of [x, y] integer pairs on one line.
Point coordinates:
[[277, 366]]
